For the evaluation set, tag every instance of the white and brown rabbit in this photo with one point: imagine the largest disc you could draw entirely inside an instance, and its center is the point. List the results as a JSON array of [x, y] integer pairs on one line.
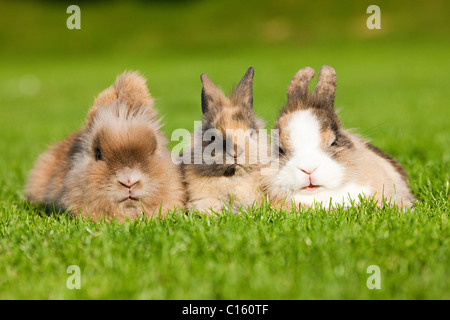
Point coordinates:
[[116, 165], [230, 148], [319, 161]]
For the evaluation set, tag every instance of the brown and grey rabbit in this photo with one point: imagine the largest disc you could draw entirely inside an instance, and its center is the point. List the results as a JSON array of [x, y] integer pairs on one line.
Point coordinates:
[[227, 152], [116, 165], [319, 161]]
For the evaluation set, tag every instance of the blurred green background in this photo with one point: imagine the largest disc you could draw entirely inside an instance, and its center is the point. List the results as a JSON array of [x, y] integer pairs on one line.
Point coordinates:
[[393, 88], [392, 82], [50, 74]]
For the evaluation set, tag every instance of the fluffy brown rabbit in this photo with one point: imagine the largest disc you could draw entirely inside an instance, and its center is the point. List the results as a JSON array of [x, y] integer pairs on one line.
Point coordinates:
[[229, 148], [319, 161], [116, 165]]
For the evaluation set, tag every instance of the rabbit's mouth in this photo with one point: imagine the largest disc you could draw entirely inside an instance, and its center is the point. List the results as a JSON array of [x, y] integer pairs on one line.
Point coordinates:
[[129, 199], [311, 187]]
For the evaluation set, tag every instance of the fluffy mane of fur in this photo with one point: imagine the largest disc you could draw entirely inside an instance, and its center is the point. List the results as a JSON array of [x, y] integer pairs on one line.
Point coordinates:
[[118, 165]]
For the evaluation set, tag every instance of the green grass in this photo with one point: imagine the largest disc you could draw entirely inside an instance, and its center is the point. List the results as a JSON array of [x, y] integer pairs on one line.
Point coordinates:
[[264, 254], [392, 87]]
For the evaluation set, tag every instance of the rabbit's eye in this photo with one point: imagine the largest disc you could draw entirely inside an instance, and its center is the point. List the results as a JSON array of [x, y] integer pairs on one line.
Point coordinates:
[[281, 151], [98, 154], [334, 142]]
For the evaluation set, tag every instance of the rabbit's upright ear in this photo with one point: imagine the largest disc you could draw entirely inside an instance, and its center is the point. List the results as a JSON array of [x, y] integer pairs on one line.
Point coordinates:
[[298, 87], [211, 94], [129, 88], [326, 85], [132, 89], [243, 94]]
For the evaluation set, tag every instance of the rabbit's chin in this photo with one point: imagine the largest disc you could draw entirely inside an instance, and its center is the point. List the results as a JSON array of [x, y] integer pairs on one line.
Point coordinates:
[[130, 208], [344, 195], [119, 204], [130, 203]]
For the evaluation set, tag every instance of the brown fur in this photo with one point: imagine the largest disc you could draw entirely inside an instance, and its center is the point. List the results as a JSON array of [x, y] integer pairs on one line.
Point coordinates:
[[122, 141], [397, 166], [130, 88], [384, 174], [48, 174], [213, 186]]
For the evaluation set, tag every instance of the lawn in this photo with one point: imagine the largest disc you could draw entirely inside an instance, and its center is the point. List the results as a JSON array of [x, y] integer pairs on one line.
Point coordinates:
[[392, 88]]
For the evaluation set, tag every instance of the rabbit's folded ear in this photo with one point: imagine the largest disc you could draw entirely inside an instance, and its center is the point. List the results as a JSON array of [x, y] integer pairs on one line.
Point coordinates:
[[243, 94], [298, 87], [211, 94], [326, 85], [129, 88]]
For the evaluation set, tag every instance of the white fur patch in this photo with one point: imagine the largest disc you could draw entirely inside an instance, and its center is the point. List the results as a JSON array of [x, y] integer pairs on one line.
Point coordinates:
[[309, 157], [304, 130]]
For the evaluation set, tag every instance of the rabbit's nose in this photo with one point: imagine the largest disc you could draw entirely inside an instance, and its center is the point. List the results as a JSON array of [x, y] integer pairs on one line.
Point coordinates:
[[232, 153], [128, 183], [235, 154], [308, 172]]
